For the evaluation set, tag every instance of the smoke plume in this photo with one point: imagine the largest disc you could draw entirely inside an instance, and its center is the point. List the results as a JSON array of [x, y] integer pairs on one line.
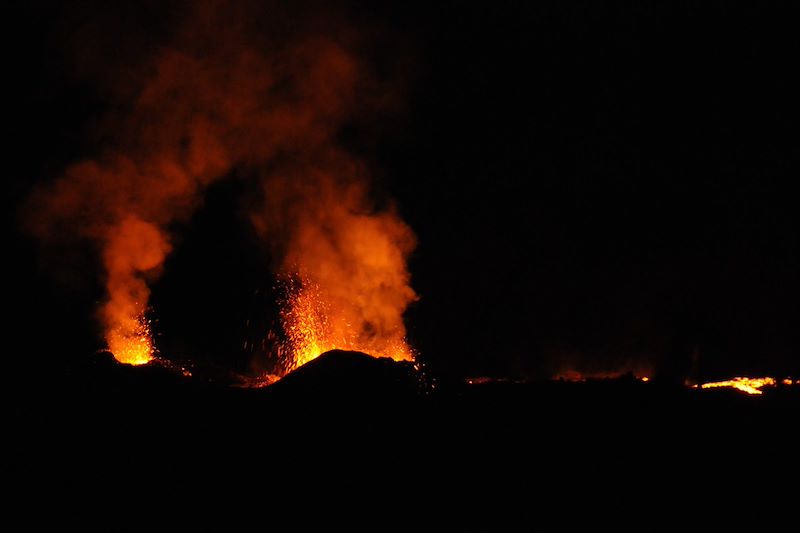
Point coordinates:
[[263, 92]]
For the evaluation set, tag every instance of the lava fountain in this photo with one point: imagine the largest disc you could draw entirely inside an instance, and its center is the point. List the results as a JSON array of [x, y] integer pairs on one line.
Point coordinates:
[[313, 327], [342, 262]]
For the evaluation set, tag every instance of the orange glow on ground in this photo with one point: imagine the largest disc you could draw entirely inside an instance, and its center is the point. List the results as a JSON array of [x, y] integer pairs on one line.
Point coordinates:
[[575, 375], [744, 384]]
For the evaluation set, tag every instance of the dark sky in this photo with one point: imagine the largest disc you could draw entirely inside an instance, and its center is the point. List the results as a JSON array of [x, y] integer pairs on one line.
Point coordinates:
[[598, 187]]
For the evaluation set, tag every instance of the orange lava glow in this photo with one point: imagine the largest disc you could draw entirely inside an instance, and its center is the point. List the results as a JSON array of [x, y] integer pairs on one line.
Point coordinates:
[[575, 375], [132, 343], [744, 384], [133, 249], [227, 93], [313, 326]]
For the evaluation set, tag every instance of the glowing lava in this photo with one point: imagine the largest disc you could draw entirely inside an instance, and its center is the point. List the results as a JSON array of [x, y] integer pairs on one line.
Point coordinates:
[[134, 251], [131, 344], [748, 385], [313, 326]]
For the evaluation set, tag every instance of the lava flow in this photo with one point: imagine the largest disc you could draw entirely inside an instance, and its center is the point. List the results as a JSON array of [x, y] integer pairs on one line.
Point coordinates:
[[744, 384]]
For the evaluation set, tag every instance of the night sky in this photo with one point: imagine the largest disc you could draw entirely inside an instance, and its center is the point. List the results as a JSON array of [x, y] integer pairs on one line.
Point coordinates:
[[599, 187]]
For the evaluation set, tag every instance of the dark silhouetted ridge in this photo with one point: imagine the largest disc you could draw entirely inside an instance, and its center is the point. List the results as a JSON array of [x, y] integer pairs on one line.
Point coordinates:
[[342, 374]]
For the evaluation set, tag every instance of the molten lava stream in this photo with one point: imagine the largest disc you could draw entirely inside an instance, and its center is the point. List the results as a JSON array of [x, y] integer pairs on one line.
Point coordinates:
[[744, 384]]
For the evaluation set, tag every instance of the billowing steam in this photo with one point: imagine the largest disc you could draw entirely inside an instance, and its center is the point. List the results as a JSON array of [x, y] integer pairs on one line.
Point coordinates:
[[240, 91]]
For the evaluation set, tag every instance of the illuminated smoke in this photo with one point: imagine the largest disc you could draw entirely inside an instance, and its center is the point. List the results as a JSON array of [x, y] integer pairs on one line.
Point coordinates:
[[261, 90]]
